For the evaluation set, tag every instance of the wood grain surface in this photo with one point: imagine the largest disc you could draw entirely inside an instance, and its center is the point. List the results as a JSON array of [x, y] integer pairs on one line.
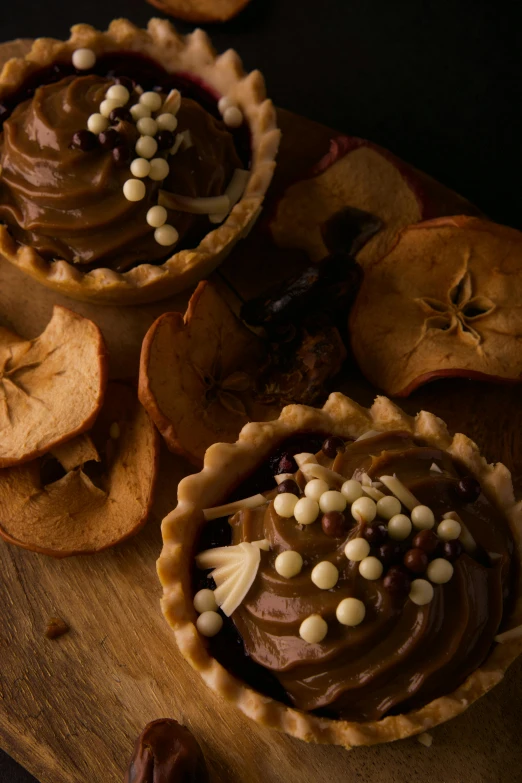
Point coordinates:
[[70, 709]]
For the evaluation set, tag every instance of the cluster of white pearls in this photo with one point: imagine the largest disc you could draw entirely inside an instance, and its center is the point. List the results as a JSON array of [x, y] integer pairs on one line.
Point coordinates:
[[209, 622], [230, 111]]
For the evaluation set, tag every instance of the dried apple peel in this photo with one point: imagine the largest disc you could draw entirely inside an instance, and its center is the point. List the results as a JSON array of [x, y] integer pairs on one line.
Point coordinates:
[[445, 301], [51, 388]]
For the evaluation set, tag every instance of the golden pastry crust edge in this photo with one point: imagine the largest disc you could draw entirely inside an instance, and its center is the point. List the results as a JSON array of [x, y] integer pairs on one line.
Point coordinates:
[[223, 73], [225, 465]]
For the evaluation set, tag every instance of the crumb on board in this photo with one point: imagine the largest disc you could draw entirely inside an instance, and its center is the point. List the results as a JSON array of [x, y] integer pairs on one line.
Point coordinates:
[[425, 739], [55, 628]]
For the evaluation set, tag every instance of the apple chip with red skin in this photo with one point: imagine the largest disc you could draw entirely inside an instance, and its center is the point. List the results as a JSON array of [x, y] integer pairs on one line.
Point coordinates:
[[201, 10], [356, 173], [100, 495], [51, 388], [197, 375], [445, 301]]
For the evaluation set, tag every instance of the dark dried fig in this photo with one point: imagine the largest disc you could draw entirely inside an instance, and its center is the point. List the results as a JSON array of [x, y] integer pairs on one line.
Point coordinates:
[[166, 752]]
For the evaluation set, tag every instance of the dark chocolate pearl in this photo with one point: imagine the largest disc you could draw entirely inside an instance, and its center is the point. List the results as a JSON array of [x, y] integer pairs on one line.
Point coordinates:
[[289, 485], [397, 582], [84, 140], [165, 140], [334, 524], [416, 560], [120, 114], [389, 553], [121, 155], [286, 464], [468, 490], [451, 550], [332, 446], [375, 534], [426, 540], [125, 81], [109, 139]]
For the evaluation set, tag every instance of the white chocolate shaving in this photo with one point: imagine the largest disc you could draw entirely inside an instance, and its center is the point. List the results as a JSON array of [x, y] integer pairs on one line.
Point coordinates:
[[304, 457], [196, 206], [368, 434], [283, 477], [465, 538], [214, 558], [365, 480], [231, 508], [171, 103], [401, 492], [234, 584], [234, 190], [263, 544], [508, 636], [311, 470], [425, 739], [435, 469], [372, 492]]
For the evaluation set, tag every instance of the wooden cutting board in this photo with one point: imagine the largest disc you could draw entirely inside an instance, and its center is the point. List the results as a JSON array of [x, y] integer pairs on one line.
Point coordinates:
[[70, 709]]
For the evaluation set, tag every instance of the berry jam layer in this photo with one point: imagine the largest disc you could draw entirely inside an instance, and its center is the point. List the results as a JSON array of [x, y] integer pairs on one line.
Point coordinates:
[[62, 185], [424, 559]]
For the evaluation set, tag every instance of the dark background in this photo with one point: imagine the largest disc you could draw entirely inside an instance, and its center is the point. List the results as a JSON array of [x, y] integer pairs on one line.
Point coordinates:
[[437, 82]]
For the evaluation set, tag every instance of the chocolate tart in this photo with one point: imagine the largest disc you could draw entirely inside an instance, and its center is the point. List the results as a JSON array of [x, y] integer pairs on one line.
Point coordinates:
[[63, 218], [296, 689]]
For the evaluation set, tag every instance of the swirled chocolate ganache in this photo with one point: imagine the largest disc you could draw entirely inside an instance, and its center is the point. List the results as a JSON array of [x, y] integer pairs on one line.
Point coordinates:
[[379, 579]]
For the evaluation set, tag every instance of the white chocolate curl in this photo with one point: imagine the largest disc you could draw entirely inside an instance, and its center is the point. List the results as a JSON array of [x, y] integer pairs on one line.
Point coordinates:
[[401, 492], [235, 568]]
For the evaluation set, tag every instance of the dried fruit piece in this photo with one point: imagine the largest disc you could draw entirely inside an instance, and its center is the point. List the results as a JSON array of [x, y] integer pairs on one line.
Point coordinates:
[[201, 10], [444, 302], [356, 173], [189, 378], [166, 752], [51, 388], [94, 505], [55, 628]]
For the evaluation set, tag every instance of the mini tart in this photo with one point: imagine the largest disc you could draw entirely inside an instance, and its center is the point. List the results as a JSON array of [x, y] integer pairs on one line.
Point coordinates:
[[226, 465], [191, 56]]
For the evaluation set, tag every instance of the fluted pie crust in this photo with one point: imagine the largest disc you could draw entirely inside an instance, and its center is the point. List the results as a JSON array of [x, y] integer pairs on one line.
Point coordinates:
[[225, 466], [192, 54]]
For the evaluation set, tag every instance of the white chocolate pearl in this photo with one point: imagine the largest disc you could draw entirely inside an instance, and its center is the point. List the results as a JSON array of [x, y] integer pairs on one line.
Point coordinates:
[[370, 568], [449, 530], [108, 105], [288, 564], [352, 490], [306, 511], [118, 93], [225, 103], [233, 117], [325, 575], [205, 601], [422, 517], [209, 623], [357, 549], [439, 571], [315, 488], [167, 122], [284, 504], [388, 507], [159, 169], [399, 527], [83, 59], [138, 111], [146, 147], [147, 126], [364, 509], [350, 611], [156, 216], [332, 501], [151, 100], [140, 168], [313, 629], [97, 123], [166, 235], [134, 190], [421, 592]]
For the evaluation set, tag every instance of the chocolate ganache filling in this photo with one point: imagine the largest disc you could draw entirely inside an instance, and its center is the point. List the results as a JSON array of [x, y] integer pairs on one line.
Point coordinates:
[[68, 203], [402, 655]]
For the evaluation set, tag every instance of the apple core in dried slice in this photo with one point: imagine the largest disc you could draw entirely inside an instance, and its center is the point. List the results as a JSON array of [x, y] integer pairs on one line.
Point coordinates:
[[445, 301], [51, 388], [96, 504]]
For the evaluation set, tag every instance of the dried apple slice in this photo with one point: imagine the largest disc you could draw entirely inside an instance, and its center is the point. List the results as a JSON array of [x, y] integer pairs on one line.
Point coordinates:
[[201, 10], [51, 388], [197, 375], [94, 505], [445, 301], [358, 174]]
